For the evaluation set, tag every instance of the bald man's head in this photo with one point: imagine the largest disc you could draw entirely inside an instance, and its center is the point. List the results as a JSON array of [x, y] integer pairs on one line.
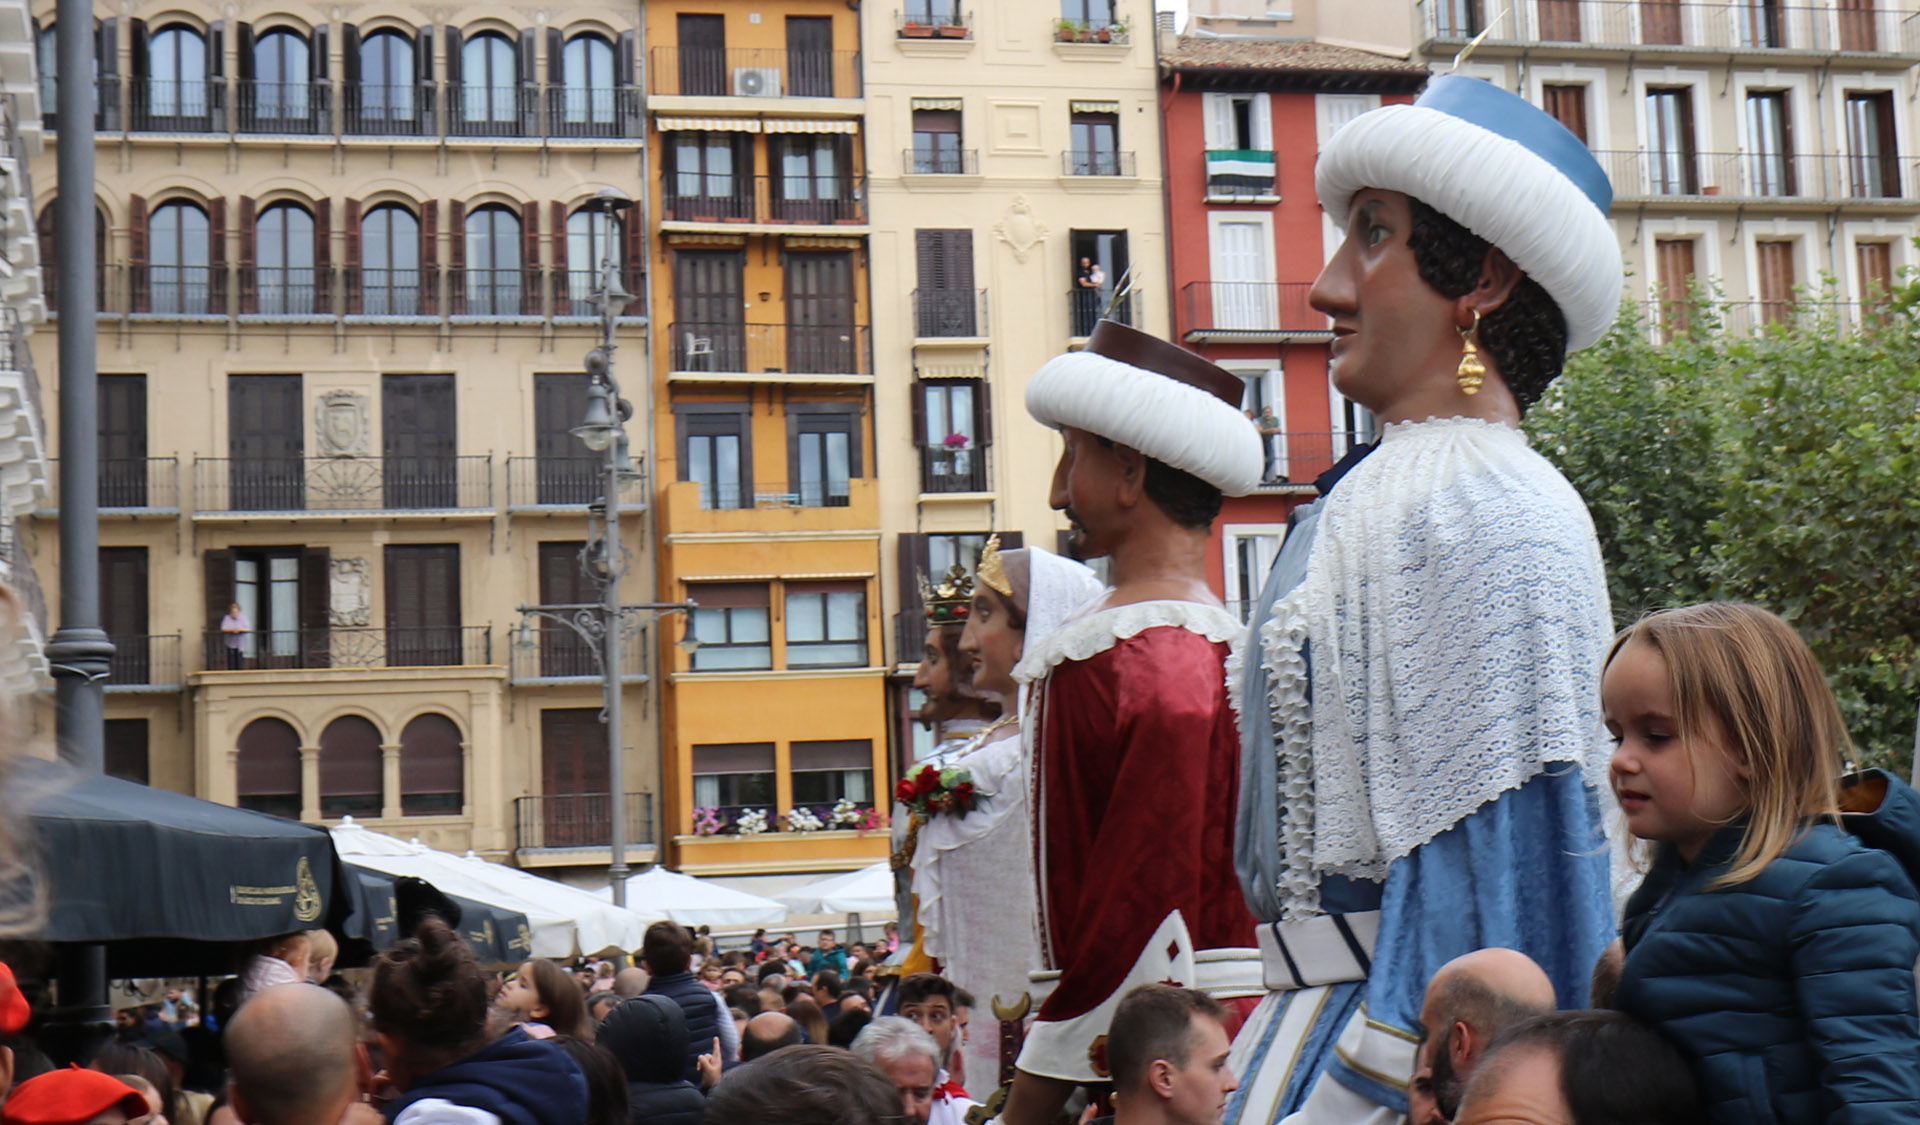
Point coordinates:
[[630, 982], [767, 1033], [1469, 1001], [294, 1053]]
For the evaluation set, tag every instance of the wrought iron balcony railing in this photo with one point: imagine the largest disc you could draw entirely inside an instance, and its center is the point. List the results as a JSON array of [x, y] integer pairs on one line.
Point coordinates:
[[1250, 307], [933, 19], [1297, 458], [753, 72], [955, 468], [1654, 25], [195, 105], [375, 109], [805, 493], [494, 111], [695, 197], [593, 111], [1754, 175], [144, 663], [1087, 307], [566, 482], [581, 820], [128, 484], [774, 350], [940, 161], [342, 484], [559, 654], [295, 108], [431, 646], [949, 313], [1096, 162]]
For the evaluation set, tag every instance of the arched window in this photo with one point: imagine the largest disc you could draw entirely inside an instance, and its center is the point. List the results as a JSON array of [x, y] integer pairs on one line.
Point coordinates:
[[489, 82], [350, 769], [592, 240], [432, 768], [177, 86], [282, 81], [586, 71], [268, 768], [180, 272], [384, 98], [47, 229], [493, 262], [284, 275], [390, 262]]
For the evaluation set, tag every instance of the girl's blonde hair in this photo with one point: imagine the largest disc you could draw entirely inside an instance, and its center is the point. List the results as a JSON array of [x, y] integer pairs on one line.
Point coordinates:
[[1741, 673]]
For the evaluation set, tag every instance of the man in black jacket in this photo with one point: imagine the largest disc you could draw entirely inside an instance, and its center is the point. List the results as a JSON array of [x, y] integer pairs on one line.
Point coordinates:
[[648, 1034], [667, 953]]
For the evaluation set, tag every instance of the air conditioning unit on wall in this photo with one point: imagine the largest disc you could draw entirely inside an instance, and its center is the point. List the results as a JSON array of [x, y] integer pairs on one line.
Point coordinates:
[[756, 81]]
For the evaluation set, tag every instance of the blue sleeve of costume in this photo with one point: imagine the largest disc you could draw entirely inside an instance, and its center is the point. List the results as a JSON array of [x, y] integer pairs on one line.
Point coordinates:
[[1528, 871]]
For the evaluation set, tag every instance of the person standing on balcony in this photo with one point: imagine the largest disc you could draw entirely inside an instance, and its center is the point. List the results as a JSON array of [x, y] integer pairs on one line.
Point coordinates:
[[1134, 747], [234, 629], [1419, 690]]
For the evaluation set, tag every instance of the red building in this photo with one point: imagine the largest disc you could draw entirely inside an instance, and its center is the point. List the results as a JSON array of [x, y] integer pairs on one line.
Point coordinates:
[[1244, 120]]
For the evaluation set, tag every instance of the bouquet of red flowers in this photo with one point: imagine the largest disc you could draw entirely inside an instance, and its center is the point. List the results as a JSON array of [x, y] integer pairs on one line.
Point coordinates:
[[932, 791]]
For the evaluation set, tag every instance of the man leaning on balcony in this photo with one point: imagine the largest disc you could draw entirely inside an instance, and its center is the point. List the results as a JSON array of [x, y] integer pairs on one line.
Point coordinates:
[[234, 630]]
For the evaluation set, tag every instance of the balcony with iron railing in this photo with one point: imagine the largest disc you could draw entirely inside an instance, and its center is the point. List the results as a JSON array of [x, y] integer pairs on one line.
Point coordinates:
[[811, 503], [749, 73], [563, 484], [772, 352], [576, 292], [494, 111], [1106, 29], [1819, 179], [958, 468], [1088, 307], [1293, 460], [1652, 28], [128, 486], [558, 655], [144, 663], [593, 111], [302, 109], [940, 161], [196, 105], [688, 197], [949, 314], [1803, 313], [290, 486], [580, 820], [1250, 310], [155, 291], [106, 103], [933, 19], [380, 109], [1096, 162], [348, 647]]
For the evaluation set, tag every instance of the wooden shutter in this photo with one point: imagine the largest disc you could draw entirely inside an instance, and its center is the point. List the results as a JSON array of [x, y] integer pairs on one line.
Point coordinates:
[[123, 441], [455, 100], [139, 287], [910, 553], [432, 767], [1568, 106], [350, 765], [626, 63], [217, 254], [556, 66], [430, 257], [107, 55], [316, 592], [243, 43], [137, 59], [573, 755], [126, 750], [352, 292], [218, 568], [350, 70], [323, 256], [317, 58], [1858, 31], [1776, 279], [557, 254], [456, 257], [983, 406], [529, 84], [46, 229], [1889, 145], [919, 406], [123, 598], [634, 258], [249, 283], [214, 80], [1674, 261], [268, 764], [1660, 21], [530, 255], [1875, 260]]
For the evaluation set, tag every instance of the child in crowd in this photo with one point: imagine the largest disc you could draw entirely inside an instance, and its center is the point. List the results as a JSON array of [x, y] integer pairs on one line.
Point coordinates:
[[545, 1001], [282, 960], [1775, 935]]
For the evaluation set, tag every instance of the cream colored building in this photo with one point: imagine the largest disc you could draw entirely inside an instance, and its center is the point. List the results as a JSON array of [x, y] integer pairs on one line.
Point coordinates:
[[1014, 159], [344, 267]]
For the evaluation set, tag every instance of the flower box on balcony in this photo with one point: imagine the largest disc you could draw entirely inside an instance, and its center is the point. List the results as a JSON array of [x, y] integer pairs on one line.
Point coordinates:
[[917, 31], [953, 31]]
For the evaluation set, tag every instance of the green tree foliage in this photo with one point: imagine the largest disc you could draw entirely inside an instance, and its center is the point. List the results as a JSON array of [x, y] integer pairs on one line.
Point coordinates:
[[1779, 467]]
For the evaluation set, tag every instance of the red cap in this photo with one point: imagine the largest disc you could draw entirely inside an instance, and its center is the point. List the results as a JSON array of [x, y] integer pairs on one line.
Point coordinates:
[[14, 1012], [70, 1097]]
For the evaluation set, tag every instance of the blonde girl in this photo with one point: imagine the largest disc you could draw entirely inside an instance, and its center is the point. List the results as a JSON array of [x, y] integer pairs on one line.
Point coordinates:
[[1775, 935]]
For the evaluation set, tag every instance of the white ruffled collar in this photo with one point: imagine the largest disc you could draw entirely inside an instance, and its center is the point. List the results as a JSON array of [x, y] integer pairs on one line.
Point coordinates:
[[1086, 637]]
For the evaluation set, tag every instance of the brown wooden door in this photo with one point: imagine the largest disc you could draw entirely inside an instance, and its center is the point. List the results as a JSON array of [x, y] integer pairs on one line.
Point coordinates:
[[1568, 106], [1875, 261], [820, 331], [564, 472], [1560, 21], [1776, 280], [945, 306], [126, 750], [564, 582], [709, 311], [573, 777], [123, 441], [265, 443], [1859, 26], [810, 56], [703, 55], [423, 605], [123, 613], [1674, 257], [417, 442], [1660, 21]]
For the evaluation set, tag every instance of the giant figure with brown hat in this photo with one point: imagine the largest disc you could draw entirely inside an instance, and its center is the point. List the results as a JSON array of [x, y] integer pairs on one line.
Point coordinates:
[[1134, 747]]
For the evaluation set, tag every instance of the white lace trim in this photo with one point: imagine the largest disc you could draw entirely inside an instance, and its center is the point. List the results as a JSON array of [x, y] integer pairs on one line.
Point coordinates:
[[1458, 615], [1089, 636], [999, 778]]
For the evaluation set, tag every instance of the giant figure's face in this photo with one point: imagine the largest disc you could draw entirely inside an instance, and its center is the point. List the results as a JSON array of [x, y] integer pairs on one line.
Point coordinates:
[[938, 677], [1391, 330], [1086, 484]]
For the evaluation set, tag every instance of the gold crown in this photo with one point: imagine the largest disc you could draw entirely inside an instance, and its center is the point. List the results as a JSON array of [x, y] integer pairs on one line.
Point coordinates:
[[993, 573], [949, 602]]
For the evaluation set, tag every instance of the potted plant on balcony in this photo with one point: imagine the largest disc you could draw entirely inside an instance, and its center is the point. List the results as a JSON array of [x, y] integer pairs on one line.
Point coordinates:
[[953, 30], [1065, 29], [1116, 33], [917, 30]]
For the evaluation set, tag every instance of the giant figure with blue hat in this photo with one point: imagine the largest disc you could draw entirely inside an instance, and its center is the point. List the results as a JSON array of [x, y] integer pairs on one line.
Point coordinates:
[[1419, 691]]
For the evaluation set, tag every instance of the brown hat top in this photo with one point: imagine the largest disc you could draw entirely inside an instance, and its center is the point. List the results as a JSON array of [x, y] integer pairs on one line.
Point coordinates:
[[1130, 346]]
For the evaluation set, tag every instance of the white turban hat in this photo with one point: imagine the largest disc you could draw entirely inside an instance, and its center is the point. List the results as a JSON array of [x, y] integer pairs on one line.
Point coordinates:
[[1159, 398], [1504, 169]]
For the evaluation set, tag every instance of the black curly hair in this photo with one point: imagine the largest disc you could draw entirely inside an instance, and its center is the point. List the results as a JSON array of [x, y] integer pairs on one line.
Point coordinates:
[[1526, 336]]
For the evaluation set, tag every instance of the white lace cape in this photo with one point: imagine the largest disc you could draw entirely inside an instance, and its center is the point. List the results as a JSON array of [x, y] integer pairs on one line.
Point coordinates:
[[1455, 612]]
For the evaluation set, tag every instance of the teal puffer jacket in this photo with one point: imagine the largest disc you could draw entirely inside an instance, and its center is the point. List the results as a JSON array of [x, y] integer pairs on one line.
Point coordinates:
[[1793, 992]]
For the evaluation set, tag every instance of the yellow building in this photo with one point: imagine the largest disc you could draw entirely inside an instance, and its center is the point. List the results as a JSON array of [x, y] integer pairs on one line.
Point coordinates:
[[769, 515], [1015, 169], [344, 268]]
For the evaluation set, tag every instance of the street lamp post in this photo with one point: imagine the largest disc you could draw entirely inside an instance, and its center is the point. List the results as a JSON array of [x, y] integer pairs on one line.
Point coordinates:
[[604, 625]]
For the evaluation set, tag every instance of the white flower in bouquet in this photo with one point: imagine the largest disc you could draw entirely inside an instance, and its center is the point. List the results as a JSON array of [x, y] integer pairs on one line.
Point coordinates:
[[802, 820], [752, 822], [846, 814]]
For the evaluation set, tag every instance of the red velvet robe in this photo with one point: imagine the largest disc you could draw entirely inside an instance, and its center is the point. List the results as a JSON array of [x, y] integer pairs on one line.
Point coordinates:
[[1136, 768]]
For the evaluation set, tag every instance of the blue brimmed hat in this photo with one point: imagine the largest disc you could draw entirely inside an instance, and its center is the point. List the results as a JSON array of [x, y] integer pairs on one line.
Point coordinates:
[[1501, 167]]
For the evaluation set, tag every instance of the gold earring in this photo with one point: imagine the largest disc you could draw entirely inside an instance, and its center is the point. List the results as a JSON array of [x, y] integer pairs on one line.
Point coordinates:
[[1472, 372]]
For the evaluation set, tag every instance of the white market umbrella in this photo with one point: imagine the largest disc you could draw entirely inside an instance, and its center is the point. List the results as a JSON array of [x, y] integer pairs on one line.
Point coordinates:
[[866, 891], [554, 931], [601, 924], [659, 893]]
